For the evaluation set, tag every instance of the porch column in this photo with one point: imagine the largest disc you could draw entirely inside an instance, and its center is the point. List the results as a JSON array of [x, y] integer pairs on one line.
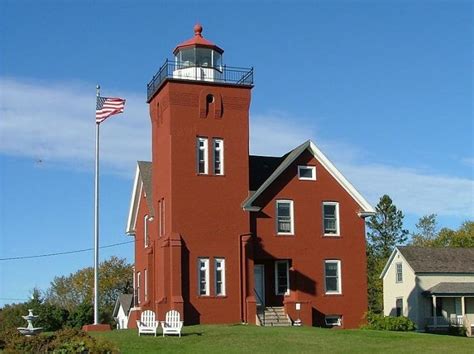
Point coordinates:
[[463, 307], [435, 317]]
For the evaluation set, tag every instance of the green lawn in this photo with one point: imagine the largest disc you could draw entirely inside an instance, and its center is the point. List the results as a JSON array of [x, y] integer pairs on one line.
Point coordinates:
[[252, 339]]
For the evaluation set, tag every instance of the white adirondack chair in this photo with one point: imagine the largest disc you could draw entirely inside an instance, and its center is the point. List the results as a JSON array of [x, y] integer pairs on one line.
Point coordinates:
[[172, 324], [147, 323]]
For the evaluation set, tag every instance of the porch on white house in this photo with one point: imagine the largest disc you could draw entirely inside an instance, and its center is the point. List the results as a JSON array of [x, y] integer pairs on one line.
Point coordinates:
[[452, 304]]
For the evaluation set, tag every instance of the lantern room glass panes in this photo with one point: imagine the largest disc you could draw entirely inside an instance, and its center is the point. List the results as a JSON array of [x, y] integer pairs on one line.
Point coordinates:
[[196, 56], [186, 57], [203, 57]]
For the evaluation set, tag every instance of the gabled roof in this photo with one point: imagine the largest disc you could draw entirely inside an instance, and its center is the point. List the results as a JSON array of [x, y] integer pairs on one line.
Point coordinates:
[[439, 260], [288, 159], [260, 168], [124, 300], [444, 260], [143, 182]]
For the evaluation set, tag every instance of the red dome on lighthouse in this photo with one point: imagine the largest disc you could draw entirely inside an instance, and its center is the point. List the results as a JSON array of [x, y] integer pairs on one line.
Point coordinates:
[[198, 41]]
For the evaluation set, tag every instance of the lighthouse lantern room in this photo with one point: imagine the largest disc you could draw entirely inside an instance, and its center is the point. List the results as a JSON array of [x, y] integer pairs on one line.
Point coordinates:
[[201, 60]]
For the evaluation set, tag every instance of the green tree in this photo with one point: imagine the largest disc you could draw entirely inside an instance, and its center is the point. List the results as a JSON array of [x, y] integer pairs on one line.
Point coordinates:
[[463, 237], [76, 290], [386, 228], [385, 232], [427, 231]]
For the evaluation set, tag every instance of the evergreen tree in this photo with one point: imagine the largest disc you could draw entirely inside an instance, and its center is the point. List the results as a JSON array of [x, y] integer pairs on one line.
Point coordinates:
[[386, 228], [386, 231]]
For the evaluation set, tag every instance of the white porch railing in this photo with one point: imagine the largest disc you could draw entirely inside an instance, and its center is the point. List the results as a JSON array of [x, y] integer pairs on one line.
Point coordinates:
[[456, 320], [441, 321]]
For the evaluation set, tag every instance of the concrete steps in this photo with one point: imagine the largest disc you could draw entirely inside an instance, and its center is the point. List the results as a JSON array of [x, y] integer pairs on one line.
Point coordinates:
[[274, 317]]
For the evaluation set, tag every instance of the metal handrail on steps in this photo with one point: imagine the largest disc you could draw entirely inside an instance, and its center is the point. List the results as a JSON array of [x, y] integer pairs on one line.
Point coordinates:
[[262, 308]]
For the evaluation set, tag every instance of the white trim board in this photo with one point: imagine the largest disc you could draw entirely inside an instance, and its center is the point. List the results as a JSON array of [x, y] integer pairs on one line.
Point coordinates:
[[366, 208]]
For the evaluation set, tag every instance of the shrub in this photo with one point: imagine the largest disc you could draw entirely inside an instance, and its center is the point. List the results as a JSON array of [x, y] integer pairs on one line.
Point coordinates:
[[457, 331], [64, 341], [388, 323]]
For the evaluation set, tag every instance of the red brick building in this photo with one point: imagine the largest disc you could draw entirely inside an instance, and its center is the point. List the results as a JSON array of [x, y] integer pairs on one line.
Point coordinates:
[[226, 237]]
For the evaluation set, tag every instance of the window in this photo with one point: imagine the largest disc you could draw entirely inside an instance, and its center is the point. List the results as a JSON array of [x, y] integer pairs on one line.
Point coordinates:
[[219, 268], [145, 230], [333, 320], [399, 306], [203, 276], [138, 287], [284, 217], [399, 275], [202, 155], [281, 278], [218, 145], [332, 273], [331, 218], [161, 207], [146, 285], [307, 173]]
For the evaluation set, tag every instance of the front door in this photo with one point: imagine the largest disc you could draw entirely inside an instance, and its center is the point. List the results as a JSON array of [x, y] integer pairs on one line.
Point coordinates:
[[259, 276]]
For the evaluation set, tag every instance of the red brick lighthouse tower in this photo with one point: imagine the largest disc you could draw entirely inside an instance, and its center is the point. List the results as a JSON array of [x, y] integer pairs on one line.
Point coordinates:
[[199, 110]]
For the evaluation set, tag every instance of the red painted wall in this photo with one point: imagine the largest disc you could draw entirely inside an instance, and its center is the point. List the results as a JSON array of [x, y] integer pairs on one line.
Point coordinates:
[[308, 248], [205, 210]]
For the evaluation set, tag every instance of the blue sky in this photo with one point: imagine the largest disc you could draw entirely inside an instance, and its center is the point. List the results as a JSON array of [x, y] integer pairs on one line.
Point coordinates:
[[383, 88]]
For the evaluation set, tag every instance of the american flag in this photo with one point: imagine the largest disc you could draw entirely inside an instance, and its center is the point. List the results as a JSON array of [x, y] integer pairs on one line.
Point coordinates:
[[108, 106]]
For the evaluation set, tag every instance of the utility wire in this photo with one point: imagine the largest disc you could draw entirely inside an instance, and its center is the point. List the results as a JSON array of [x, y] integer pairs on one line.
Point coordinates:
[[62, 253]]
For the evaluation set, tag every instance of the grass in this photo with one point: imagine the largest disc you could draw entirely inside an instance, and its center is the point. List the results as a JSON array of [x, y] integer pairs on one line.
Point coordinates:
[[252, 339]]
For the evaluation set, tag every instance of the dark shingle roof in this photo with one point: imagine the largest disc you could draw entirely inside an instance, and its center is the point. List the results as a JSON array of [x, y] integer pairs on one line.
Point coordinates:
[[124, 300], [439, 260], [450, 288], [260, 168], [145, 174]]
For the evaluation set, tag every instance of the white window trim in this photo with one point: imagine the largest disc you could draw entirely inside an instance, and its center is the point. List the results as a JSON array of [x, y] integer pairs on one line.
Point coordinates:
[[339, 277], [206, 268], [220, 261], [398, 281], [313, 168], [145, 290], [338, 229], [287, 292], [337, 324], [138, 287], [205, 151], [292, 217], [221, 155], [145, 230]]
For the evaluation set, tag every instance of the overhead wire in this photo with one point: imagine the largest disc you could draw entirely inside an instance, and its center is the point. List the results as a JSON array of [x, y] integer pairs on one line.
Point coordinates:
[[63, 253]]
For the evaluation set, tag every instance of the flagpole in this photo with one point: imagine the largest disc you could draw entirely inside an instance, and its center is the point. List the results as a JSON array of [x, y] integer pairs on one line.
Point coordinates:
[[96, 223]]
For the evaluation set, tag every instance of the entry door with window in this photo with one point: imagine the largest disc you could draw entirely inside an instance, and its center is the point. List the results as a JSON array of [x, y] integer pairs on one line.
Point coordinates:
[[259, 276]]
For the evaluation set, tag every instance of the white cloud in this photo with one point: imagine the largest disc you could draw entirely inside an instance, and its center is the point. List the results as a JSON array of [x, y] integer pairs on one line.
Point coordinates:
[[56, 123], [413, 191]]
